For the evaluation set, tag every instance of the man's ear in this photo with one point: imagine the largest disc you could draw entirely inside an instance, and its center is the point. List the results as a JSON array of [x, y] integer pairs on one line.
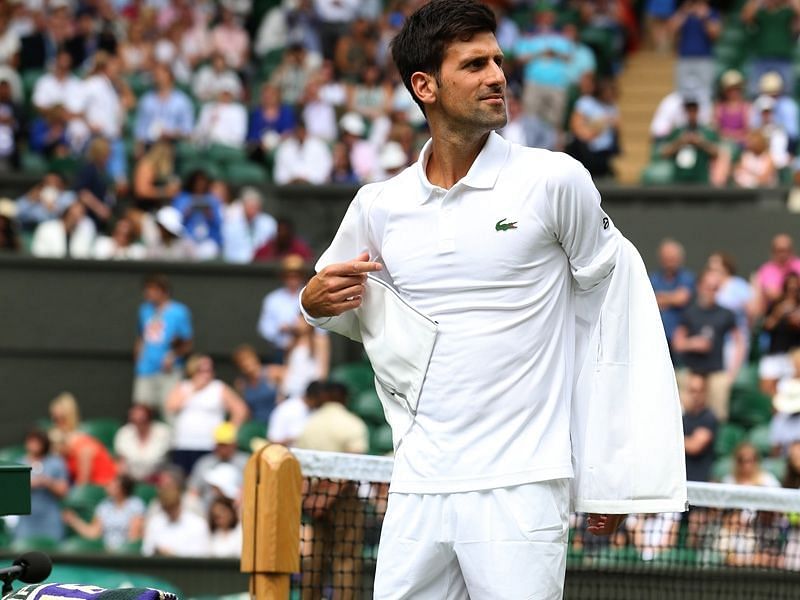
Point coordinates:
[[425, 87]]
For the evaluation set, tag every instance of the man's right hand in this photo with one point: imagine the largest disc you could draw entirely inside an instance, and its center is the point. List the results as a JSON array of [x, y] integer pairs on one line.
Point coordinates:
[[338, 287]]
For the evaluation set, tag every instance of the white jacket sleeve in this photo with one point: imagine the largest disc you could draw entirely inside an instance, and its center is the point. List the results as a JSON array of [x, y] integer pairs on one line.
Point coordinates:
[[351, 239]]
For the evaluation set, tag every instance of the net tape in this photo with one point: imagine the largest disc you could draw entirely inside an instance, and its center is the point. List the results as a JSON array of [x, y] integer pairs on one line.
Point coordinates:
[[378, 469]]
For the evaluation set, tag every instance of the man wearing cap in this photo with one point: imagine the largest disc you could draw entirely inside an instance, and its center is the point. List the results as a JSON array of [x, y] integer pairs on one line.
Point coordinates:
[[363, 153], [671, 114], [281, 307], [301, 158], [164, 341], [784, 109], [691, 147], [225, 453], [772, 45], [776, 136], [169, 243]]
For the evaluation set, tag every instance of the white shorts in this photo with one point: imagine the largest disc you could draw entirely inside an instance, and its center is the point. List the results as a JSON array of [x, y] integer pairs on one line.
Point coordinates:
[[502, 544], [775, 366]]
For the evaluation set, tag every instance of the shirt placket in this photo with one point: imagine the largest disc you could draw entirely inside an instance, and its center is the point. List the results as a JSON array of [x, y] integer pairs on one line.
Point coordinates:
[[447, 228]]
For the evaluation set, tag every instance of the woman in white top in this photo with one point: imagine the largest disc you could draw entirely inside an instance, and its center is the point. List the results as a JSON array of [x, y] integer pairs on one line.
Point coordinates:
[[142, 444], [196, 406], [307, 359], [226, 531]]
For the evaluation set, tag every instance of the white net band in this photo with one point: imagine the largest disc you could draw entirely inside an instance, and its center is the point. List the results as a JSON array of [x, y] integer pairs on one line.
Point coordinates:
[[378, 469]]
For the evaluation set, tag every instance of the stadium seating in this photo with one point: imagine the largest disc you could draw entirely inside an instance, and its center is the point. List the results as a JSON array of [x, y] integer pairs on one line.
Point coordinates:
[[759, 437], [358, 377], [248, 431], [83, 499], [145, 492], [729, 435], [102, 429], [79, 545], [368, 406]]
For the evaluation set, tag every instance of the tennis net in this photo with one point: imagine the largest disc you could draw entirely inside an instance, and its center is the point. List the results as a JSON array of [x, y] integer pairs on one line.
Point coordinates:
[[734, 542]]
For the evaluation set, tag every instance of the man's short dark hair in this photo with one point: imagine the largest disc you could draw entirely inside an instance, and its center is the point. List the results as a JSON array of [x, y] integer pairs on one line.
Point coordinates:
[[421, 43], [157, 280]]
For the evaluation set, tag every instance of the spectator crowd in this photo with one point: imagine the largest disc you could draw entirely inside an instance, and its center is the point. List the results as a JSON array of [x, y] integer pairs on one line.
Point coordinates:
[[144, 119], [169, 481]]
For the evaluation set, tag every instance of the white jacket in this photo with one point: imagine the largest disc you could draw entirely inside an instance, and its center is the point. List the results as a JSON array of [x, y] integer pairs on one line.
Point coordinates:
[[626, 426]]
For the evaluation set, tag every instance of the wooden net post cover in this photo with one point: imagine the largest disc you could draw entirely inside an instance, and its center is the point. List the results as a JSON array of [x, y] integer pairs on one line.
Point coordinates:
[[271, 522]]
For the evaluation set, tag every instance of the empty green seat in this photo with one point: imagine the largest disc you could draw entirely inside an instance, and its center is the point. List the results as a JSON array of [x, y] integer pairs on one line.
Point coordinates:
[[83, 499], [129, 548], [223, 155], [358, 377], [759, 437], [145, 492], [34, 543], [380, 440], [750, 407], [102, 429], [79, 545], [248, 431], [244, 173], [658, 172], [729, 435], [722, 467], [775, 465], [12, 453], [32, 163], [676, 556], [368, 406]]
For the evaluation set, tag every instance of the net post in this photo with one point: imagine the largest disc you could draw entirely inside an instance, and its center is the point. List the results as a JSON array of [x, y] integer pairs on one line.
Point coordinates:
[[271, 522]]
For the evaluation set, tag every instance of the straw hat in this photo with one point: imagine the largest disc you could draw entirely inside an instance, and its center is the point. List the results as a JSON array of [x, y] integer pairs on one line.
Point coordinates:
[[731, 78], [787, 400], [770, 83]]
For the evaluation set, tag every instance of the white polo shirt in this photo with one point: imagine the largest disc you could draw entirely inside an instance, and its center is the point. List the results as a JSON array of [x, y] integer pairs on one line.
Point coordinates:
[[494, 260]]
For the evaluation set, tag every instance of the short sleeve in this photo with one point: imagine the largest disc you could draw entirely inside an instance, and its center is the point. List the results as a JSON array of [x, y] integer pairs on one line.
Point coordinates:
[[184, 325]]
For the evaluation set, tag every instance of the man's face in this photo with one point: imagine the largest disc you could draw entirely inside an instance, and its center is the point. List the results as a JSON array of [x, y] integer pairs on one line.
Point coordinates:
[[471, 85], [781, 249], [671, 258], [153, 294], [696, 393]]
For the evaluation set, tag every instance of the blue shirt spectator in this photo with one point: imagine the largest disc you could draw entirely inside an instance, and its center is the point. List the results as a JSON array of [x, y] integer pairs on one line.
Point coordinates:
[[49, 483], [165, 112], [270, 115], [694, 40], [595, 110], [547, 64], [159, 329], [46, 200], [202, 214], [673, 285]]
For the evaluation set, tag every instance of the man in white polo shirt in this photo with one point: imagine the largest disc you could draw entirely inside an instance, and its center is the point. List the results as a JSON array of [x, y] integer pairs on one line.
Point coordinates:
[[491, 241]]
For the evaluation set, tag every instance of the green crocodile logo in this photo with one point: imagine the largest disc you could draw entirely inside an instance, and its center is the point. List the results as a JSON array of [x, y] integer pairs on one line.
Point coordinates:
[[502, 226]]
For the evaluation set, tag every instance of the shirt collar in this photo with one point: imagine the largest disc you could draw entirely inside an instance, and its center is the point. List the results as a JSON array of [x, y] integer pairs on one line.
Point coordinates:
[[482, 174]]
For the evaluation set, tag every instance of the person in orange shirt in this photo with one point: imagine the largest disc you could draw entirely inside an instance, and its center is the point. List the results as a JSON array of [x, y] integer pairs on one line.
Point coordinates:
[[88, 460]]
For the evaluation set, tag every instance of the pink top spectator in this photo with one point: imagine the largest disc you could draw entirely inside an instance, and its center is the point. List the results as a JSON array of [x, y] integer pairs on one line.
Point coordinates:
[[770, 275]]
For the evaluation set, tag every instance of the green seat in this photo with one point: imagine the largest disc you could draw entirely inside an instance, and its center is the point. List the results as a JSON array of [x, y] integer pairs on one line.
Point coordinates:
[[79, 545], [729, 435], [40, 542], [212, 169], [102, 429], [83, 499], [776, 466], [12, 453], [658, 172], [66, 166], [729, 54], [358, 377], [32, 163], [368, 406], [224, 155], [676, 557], [616, 557], [269, 62], [244, 173], [248, 431], [380, 440], [748, 376], [145, 492], [750, 407], [130, 548], [760, 438], [722, 467]]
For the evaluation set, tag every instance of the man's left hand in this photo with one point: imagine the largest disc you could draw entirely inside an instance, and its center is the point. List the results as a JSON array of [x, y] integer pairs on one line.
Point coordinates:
[[604, 524]]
